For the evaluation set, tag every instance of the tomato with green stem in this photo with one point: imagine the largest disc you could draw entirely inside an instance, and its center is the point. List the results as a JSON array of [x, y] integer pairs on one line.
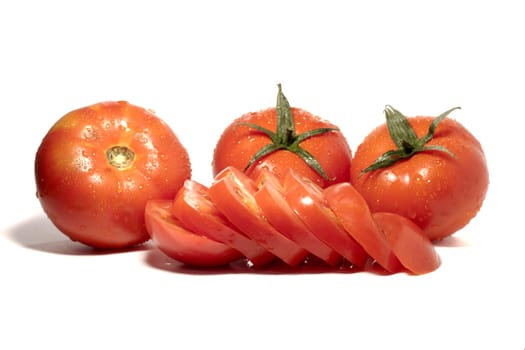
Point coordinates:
[[430, 170], [284, 137]]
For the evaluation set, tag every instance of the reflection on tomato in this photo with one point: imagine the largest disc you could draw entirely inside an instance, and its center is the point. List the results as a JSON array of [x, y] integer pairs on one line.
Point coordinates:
[[177, 242], [307, 200], [97, 166], [270, 198]]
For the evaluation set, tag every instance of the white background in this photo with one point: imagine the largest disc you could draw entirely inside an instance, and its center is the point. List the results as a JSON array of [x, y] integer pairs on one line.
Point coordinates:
[[199, 64]]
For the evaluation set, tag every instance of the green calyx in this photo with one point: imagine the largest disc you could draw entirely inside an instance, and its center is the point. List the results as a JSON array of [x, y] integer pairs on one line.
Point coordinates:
[[285, 137], [406, 140]]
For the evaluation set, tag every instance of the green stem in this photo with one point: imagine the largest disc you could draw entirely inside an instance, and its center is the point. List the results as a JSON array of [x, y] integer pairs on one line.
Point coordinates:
[[406, 140], [286, 138]]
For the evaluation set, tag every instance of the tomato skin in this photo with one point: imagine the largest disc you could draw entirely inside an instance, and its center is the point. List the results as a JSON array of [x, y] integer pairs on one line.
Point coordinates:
[[194, 208], [92, 201], [238, 144], [271, 200], [235, 199], [409, 242], [177, 242], [440, 193], [307, 200], [355, 216]]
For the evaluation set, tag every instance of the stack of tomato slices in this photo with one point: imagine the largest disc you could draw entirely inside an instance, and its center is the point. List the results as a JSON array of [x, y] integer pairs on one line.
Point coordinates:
[[292, 221]]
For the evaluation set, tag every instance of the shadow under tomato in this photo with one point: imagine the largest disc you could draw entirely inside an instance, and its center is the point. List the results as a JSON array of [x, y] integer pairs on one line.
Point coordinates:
[[158, 260], [452, 241], [38, 233]]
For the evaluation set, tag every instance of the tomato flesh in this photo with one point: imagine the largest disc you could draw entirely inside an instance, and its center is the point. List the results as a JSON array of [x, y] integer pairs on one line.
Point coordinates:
[[193, 207], [236, 201], [409, 242], [270, 198], [181, 244], [354, 214], [307, 200]]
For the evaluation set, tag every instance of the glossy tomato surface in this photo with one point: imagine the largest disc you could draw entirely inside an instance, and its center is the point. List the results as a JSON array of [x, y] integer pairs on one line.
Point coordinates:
[[97, 166], [308, 201], [193, 207], [181, 244], [409, 242], [355, 216], [239, 143], [234, 197], [440, 192], [271, 200]]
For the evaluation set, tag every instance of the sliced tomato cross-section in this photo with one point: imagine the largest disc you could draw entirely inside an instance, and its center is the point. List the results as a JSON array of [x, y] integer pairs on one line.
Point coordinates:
[[307, 200], [355, 216], [278, 212], [409, 242], [181, 244], [194, 208], [233, 194]]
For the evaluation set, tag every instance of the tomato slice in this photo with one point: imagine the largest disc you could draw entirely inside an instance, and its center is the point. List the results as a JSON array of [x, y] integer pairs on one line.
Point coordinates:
[[181, 244], [307, 200], [409, 242], [355, 216], [233, 194], [194, 208], [278, 212]]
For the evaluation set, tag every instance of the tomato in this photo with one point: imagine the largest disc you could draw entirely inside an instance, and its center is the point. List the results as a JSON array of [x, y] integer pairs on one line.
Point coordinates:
[[283, 137], [430, 170], [98, 165], [307, 200], [234, 197], [409, 242], [270, 198], [194, 208], [355, 216], [174, 240]]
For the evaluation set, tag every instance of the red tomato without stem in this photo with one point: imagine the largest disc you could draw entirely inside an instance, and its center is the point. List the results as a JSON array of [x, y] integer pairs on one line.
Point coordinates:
[[413, 248], [307, 200], [270, 198], [283, 137], [430, 170], [97, 166], [194, 208], [177, 242], [234, 197], [353, 213]]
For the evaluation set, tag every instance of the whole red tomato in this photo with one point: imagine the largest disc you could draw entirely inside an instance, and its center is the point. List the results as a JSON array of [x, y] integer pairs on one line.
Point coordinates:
[[280, 138], [430, 170], [97, 166]]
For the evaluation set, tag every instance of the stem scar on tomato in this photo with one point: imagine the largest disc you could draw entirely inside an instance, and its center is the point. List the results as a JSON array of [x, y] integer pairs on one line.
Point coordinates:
[[286, 138], [406, 140], [120, 157]]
